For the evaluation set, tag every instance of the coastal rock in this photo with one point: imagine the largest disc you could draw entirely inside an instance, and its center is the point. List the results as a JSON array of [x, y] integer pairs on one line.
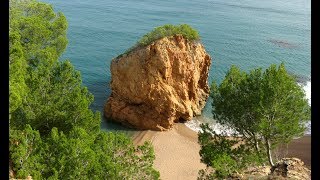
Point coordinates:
[[292, 168], [286, 168], [160, 84]]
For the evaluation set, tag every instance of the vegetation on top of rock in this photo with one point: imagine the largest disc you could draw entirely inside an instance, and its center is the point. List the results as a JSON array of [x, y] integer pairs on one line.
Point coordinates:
[[266, 108], [169, 30], [164, 31]]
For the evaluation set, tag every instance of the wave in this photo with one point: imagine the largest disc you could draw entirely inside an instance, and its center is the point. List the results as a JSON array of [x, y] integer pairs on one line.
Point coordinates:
[[307, 89], [308, 128], [220, 129], [194, 125]]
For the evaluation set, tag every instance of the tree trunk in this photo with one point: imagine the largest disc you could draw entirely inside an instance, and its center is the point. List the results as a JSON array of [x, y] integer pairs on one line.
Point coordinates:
[[269, 152], [256, 143], [257, 148]]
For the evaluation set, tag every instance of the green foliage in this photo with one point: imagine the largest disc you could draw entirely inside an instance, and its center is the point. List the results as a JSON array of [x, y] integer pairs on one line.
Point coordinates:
[[17, 68], [79, 155], [204, 174], [225, 155], [37, 34], [42, 31], [164, 31], [267, 108], [131, 162], [25, 152], [58, 100], [169, 30], [53, 132], [37, 80]]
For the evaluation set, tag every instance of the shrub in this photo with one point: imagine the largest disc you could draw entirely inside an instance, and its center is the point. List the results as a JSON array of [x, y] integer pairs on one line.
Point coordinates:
[[79, 155], [164, 31], [226, 156], [168, 30]]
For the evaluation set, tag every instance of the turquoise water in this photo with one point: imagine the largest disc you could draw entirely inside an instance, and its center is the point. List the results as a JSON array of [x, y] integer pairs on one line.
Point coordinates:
[[247, 33]]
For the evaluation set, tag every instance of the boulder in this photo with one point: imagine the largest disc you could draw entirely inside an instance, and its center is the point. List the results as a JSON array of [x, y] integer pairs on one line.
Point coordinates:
[[292, 168], [286, 168], [160, 84]]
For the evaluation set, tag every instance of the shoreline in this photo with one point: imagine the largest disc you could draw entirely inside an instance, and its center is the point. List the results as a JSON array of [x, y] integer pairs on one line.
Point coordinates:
[[177, 151]]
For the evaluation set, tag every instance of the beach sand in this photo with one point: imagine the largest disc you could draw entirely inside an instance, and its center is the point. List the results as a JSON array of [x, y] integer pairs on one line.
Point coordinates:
[[177, 151], [301, 148]]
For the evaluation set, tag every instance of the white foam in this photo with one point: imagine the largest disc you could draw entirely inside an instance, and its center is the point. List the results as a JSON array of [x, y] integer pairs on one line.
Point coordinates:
[[194, 125], [308, 130], [307, 89], [219, 129]]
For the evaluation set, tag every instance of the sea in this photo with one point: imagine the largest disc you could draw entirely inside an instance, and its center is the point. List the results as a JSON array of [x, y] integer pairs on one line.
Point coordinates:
[[246, 33]]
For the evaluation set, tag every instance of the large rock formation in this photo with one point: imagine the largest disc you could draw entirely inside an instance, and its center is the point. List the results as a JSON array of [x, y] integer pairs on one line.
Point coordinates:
[[157, 85]]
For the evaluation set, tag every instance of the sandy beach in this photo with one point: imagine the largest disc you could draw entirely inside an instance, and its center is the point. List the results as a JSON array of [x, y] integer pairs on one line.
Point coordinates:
[[177, 151], [301, 148]]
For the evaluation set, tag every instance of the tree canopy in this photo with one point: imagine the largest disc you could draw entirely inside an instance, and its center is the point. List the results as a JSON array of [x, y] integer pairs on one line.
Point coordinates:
[[265, 108], [44, 92], [53, 132], [79, 155]]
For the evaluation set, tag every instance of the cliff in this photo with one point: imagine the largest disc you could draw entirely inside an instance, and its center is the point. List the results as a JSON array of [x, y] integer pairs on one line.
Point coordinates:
[[159, 84]]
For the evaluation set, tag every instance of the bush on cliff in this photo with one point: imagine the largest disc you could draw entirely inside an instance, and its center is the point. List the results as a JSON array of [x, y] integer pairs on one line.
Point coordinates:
[[53, 132], [164, 31], [267, 108], [169, 30]]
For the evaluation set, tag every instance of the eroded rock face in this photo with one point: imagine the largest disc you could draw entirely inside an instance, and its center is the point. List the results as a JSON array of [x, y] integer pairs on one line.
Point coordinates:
[[157, 85], [292, 168], [286, 168]]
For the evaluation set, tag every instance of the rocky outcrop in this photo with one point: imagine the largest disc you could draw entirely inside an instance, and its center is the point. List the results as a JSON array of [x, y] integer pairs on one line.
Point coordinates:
[[292, 168], [286, 168], [157, 85]]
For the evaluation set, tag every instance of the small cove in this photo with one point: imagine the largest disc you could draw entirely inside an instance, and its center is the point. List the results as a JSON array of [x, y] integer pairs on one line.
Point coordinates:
[[246, 33]]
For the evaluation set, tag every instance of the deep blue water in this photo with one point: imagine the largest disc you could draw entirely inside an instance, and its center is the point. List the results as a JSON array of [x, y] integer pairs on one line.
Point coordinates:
[[247, 33]]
